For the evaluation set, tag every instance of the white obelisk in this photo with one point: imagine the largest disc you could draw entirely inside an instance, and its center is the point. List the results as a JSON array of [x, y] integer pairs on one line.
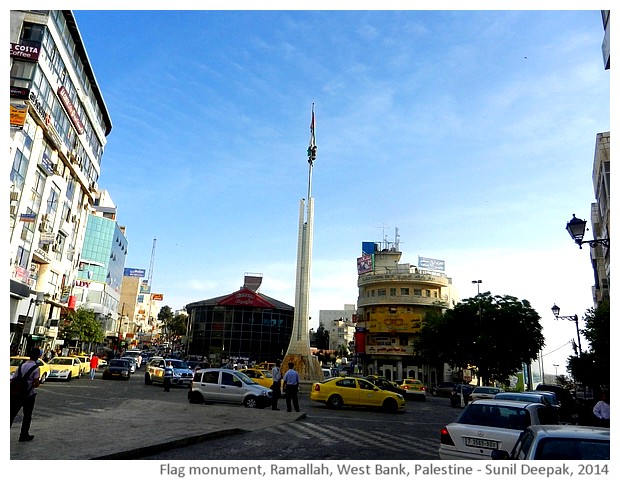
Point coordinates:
[[298, 353]]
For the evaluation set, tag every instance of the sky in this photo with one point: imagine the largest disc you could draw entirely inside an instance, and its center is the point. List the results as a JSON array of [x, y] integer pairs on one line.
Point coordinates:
[[471, 132]]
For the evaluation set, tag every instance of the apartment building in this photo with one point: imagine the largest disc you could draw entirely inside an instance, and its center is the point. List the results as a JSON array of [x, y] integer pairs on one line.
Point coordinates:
[[58, 128]]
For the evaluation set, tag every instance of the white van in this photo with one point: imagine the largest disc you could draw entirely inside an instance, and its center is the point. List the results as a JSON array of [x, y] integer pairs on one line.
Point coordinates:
[[223, 385]]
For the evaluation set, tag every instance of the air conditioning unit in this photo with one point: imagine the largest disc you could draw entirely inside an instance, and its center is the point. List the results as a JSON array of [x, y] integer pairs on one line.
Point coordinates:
[[39, 330]]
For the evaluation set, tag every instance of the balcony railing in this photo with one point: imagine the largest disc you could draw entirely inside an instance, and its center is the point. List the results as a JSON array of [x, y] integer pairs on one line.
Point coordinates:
[[386, 300]]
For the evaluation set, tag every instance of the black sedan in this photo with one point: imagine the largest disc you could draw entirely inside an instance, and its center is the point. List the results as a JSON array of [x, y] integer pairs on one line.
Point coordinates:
[[117, 368], [385, 384]]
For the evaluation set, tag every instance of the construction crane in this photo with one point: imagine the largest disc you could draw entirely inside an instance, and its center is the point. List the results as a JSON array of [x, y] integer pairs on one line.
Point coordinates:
[[150, 279]]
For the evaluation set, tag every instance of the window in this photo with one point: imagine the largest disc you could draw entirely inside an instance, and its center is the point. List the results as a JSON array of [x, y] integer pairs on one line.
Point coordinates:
[[392, 292], [404, 291], [417, 291], [381, 292], [33, 32]]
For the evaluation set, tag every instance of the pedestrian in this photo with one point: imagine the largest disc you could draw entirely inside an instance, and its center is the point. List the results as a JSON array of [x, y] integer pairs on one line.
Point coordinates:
[[291, 387], [94, 363], [276, 376], [601, 410], [168, 373], [29, 371]]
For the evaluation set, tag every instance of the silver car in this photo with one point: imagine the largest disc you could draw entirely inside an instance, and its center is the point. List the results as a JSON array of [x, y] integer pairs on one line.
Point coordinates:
[[559, 442], [223, 385], [487, 425]]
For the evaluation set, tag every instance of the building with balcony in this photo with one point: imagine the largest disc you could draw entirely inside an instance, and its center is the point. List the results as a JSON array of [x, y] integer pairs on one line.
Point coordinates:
[[245, 324], [58, 128], [600, 216], [392, 303]]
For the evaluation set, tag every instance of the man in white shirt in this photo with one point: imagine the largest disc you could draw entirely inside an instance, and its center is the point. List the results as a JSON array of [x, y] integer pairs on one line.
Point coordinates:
[[275, 386], [601, 410]]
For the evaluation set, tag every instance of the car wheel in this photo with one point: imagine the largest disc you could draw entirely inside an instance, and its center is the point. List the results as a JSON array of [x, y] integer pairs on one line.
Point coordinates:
[[43, 378], [335, 401], [69, 377], [390, 405], [250, 402], [195, 398], [147, 379], [127, 378], [104, 376]]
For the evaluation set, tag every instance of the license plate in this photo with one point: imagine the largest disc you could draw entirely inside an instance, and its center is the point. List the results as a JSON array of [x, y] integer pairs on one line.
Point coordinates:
[[480, 443]]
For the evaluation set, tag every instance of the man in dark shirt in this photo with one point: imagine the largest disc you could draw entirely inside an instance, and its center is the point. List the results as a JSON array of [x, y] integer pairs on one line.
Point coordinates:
[[30, 370]]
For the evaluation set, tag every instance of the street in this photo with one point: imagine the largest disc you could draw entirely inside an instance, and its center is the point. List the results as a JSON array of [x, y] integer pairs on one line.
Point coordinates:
[[322, 434]]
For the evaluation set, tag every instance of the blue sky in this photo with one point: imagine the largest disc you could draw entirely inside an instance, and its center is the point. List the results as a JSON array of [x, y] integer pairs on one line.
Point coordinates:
[[472, 132]]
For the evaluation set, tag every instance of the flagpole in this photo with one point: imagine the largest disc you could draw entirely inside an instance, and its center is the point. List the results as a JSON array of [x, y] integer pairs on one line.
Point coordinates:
[[311, 153]]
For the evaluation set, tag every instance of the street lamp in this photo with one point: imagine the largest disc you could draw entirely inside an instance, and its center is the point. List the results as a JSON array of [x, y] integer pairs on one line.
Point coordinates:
[[556, 372], [577, 227], [556, 313], [478, 282]]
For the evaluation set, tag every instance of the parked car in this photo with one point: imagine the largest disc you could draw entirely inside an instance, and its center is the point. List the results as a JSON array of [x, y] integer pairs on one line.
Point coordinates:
[[414, 389], [479, 393], [223, 385], [133, 363], [117, 368], [262, 377], [559, 442], [568, 405], [355, 392], [327, 373], [539, 397], [64, 368], [182, 374], [44, 368], [487, 425], [385, 384], [455, 394], [443, 389]]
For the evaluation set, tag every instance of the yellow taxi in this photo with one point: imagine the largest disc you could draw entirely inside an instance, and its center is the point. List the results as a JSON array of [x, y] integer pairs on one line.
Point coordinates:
[[260, 376], [44, 368], [414, 388], [64, 368], [355, 392], [84, 362]]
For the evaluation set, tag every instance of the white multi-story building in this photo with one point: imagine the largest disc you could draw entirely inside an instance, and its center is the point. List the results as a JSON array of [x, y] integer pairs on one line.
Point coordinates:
[[59, 124], [339, 324]]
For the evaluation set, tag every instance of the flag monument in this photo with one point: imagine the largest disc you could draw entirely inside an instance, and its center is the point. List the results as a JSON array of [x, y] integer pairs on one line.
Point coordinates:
[[298, 352]]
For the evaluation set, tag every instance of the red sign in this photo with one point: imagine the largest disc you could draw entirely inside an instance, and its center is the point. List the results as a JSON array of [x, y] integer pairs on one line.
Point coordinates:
[[25, 52], [71, 110]]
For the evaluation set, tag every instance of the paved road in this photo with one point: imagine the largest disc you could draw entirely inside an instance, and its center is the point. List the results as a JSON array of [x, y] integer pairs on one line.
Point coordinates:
[[116, 419]]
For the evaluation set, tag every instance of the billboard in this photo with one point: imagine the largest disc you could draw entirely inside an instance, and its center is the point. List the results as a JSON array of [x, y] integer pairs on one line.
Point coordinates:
[[134, 272], [431, 264], [364, 264]]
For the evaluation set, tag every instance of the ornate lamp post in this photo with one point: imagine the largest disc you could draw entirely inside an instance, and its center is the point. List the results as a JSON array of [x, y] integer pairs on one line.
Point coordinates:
[[577, 227], [556, 313]]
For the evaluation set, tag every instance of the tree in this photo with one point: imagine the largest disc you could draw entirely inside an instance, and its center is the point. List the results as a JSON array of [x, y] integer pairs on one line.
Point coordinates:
[[494, 335], [80, 325], [165, 317], [321, 338], [592, 367]]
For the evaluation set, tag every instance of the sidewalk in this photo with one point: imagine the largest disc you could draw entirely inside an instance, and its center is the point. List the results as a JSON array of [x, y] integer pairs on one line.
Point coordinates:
[[137, 428]]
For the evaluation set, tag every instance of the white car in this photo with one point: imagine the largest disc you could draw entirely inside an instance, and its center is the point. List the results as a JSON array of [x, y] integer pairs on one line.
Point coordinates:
[[487, 425], [479, 393], [559, 442], [223, 385]]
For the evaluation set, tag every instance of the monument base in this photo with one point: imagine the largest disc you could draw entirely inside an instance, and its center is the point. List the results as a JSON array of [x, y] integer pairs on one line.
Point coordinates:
[[307, 366]]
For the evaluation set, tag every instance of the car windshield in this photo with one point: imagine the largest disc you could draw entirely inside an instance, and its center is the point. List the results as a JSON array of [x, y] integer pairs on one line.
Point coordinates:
[[179, 364], [500, 416], [572, 449], [119, 363], [61, 361], [15, 362]]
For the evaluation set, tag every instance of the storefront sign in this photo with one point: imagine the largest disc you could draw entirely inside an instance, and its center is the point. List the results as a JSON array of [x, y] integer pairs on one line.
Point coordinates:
[[18, 113], [71, 110], [25, 52]]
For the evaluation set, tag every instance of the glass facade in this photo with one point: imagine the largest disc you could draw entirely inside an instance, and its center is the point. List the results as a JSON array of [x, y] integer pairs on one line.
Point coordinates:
[[248, 332]]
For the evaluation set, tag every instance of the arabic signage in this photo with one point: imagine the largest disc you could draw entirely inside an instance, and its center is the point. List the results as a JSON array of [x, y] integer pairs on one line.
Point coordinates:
[[364, 264], [157, 297], [18, 113], [134, 272], [432, 264]]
